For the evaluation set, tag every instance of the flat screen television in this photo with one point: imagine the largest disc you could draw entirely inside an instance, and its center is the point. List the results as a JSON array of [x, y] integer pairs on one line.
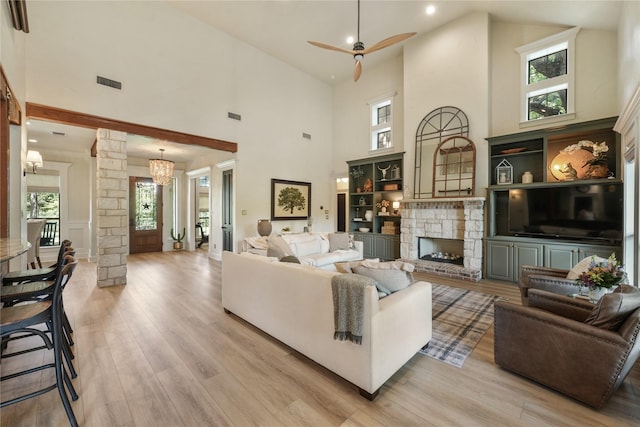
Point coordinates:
[[589, 213]]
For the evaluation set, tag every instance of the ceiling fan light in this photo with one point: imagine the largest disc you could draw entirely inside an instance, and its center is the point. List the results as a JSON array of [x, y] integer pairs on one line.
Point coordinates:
[[358, 56]]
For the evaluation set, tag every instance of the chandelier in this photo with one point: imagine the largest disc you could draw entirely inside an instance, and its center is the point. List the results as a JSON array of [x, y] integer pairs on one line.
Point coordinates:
[[161, 170]]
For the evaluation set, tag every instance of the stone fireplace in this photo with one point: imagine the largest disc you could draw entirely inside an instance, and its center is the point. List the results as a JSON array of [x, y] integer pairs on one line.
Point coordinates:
[[448, 222]]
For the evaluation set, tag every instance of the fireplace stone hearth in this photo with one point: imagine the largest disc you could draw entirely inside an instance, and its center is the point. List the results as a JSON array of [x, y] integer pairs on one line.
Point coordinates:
[[444, 218]]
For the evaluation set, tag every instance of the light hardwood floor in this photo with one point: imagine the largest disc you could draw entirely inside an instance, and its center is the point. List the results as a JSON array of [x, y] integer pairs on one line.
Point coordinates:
[[160, 351]]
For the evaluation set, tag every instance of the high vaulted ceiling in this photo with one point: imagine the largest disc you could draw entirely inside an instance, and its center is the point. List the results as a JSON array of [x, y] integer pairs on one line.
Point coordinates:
[[282, 27]]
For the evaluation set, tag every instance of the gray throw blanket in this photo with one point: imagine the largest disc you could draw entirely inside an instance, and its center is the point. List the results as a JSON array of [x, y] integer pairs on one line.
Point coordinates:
[[348, 305]]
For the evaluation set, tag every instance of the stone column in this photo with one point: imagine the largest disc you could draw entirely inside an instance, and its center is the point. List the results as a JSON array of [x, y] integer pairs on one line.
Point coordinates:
[[113, 207]]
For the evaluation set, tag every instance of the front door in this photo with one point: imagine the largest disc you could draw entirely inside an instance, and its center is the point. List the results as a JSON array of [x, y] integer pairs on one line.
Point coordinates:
[[145, 215], [227, 210]]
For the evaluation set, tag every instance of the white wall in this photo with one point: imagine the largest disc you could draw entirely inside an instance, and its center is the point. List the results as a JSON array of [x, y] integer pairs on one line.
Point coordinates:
[[449, 67], [188, 78], [628, 52], [351, 111], [595, 58]]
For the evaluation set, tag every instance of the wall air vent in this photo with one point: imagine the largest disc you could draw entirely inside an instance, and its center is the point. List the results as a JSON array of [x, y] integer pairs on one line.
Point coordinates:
[[234, 116], [58, 133], [306, 135], [108, 82]]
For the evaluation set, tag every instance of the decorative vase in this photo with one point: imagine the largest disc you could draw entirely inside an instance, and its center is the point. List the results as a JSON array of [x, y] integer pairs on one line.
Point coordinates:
[[384, 209], [264, 227], [368, 215], [527, 178]]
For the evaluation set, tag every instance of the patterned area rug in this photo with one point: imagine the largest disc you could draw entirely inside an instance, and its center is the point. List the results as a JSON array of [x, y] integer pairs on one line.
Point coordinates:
[[460, 319]]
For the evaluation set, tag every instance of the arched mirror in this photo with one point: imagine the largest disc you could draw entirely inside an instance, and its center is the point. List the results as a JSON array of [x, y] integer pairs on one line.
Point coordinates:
[[435, 127], [454, 167]]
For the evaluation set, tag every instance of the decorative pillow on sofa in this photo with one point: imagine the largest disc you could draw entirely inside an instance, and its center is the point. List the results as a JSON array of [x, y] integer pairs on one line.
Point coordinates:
[[290, 258], [393, 280], [613, 309], [278, 247], [338, 242], [347, 266], [583, 266], [389, 265]]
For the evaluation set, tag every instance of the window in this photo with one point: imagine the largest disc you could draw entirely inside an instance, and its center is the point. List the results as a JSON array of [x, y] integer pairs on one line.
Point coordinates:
[[547, 90], [42, 201], [381, 122], [146, 206]]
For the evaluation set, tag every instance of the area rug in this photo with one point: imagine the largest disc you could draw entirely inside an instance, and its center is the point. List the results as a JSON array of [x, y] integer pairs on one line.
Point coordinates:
[[460, 319]]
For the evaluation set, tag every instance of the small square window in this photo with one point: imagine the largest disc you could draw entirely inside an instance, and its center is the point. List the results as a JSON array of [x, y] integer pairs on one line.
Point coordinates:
[[384, 114], [381, 124], [548, 66], [384, 139], [547, 104]]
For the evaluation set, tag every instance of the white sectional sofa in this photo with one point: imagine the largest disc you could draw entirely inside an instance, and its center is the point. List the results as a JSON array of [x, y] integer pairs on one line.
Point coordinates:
[[320, 250], [294, 304]]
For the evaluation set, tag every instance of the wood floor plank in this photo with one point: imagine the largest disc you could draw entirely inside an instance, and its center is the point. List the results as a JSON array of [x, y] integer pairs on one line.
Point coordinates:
[[161, 351]]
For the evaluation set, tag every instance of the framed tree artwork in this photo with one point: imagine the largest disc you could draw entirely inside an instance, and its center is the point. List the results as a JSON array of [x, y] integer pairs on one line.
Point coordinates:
[[290, 199]]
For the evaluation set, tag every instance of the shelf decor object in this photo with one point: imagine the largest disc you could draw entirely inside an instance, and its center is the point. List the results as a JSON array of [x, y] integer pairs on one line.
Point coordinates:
[[583, 160], [371, 206], [504, 173]]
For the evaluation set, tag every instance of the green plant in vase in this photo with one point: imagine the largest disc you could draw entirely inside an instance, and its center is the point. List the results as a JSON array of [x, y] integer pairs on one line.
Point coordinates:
[[357, 173]]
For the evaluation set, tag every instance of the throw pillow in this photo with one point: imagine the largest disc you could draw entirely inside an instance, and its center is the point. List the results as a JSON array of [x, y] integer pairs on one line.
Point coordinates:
[[583, 266], [391, 280], [347, 266], [613, 309], [338, 242], [278, 247], [290, 258], [389, 265]]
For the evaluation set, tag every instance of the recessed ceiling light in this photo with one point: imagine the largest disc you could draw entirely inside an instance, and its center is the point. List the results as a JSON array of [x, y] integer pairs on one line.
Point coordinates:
[[28, 122], [431, 9], [350, 39], [32, 140]]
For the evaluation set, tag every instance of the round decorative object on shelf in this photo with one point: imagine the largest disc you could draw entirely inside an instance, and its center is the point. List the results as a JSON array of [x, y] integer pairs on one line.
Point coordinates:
[[368, 215], [527, 178], [264, 227]]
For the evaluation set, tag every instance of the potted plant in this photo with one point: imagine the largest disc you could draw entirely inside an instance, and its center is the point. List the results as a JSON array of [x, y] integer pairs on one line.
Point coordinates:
[[177, 240]]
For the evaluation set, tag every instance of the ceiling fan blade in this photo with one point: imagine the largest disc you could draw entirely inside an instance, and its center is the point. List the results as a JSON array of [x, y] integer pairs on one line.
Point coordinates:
[[357, 71], [388, 42], [328, 46]]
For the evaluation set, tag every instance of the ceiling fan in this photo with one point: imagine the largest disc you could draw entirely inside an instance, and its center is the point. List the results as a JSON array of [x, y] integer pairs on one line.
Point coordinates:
[[359, 50]]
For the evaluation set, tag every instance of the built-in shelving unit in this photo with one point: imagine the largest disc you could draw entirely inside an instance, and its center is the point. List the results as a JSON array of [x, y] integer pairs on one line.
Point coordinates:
[[374, 181], [520, 229]]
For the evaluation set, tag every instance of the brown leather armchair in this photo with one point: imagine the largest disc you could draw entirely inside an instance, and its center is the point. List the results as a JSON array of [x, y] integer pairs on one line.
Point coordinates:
[[555, 342], [548, 279]]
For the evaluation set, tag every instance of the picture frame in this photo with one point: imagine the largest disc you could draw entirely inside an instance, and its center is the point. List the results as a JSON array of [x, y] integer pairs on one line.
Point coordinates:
[[290, 199]]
